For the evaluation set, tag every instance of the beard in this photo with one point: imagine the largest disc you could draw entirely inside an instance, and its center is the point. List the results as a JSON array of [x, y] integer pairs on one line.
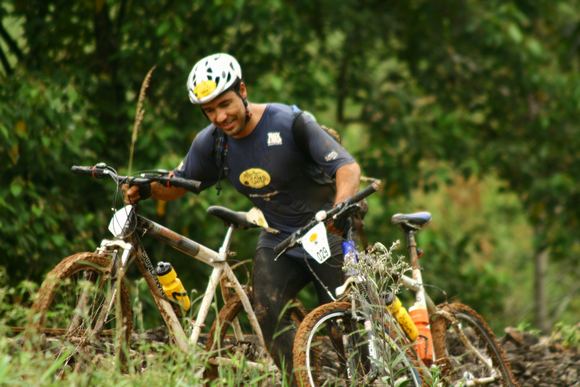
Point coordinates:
[[236, 129]]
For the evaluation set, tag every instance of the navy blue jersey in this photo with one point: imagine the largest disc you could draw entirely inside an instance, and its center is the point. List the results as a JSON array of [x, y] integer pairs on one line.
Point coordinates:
[[271, 170]]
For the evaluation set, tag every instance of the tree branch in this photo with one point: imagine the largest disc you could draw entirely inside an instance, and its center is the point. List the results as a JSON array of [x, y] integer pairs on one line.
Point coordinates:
[[5, 62], [11, 42]]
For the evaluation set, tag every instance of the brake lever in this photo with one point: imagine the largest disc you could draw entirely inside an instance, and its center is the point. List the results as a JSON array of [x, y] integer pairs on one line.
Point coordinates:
[[154, 173]]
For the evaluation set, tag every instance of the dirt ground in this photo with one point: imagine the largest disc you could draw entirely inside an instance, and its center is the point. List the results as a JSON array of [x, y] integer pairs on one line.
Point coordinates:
[[541, 361]]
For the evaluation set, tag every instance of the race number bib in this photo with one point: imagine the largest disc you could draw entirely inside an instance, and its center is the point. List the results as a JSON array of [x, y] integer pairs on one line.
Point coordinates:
[[315, 242]]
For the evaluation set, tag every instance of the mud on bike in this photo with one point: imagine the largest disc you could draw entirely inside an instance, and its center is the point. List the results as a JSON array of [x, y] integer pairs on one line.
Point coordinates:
[[366, 337], [85, 297]]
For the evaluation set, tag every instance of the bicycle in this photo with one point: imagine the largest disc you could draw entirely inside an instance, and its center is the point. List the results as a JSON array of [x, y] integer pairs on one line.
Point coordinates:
[[347, 348], [359, 340], [95, 283]]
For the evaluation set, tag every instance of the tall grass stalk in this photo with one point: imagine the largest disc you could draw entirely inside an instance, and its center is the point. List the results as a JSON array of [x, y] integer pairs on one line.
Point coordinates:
[[139, 114], [379, 271]]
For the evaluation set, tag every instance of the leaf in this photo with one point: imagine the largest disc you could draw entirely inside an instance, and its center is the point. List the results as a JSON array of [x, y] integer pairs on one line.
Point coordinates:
[[48, 374], [534, 47], [4, 368], [515, 33], [14, 153], [58, 240], [16, 187], [37, 210], [21, 129]]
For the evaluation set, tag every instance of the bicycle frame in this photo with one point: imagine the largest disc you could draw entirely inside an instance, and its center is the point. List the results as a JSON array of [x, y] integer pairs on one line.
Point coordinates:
[[437, 318], [132, 248]]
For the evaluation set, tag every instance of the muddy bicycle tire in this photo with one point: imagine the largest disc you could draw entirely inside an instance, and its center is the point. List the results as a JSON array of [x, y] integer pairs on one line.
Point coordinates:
[[221, 342], [461, 364], [320, 359], [68, 301]]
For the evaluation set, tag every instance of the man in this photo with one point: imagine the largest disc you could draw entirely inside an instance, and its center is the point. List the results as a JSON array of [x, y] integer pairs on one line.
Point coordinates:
[[286, 165]]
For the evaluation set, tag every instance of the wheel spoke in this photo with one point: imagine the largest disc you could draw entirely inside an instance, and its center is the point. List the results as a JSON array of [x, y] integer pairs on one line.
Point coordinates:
[[332, 348], [71, 300], [472, 352]]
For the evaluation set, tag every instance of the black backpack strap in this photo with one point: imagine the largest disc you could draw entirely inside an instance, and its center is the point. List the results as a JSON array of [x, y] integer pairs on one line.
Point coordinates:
[[299, 132], [220, 149], [299, 129]]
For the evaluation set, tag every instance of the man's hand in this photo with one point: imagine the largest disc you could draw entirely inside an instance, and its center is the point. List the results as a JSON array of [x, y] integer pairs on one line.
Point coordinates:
[[135, 193], [339, 225], [333, 228]]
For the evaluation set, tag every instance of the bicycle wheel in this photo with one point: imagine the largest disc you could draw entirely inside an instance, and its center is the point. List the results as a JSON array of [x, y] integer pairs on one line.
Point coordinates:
[[472, 354], [77, 302], [333, 348], [228, 337]]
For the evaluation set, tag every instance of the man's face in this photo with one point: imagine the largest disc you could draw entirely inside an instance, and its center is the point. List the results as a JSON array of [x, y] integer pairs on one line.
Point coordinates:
[[227, 112]]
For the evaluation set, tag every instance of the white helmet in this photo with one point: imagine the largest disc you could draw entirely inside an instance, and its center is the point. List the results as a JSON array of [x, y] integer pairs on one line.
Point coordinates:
[[211, 76]]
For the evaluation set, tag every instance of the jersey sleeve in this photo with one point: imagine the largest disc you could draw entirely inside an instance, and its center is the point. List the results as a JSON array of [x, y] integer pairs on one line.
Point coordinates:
[[324, 150], [199, 162]]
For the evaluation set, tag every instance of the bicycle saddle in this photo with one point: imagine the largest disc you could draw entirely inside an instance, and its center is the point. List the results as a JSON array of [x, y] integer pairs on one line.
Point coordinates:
[[415, 220], [236, 218]]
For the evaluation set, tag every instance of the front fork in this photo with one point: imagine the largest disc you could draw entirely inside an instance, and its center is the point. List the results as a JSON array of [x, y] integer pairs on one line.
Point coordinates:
[[115, 246], [117, 274]]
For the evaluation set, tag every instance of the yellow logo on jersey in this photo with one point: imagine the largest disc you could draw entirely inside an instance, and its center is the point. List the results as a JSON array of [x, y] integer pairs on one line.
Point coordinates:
[[255, 178], [204, 88]]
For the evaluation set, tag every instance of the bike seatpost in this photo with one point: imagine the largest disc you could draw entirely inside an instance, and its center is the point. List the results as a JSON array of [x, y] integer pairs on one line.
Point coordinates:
[[412, 248]]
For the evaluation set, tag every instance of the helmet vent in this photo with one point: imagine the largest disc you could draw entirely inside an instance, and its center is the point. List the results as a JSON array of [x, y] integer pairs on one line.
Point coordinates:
[[216, 73]]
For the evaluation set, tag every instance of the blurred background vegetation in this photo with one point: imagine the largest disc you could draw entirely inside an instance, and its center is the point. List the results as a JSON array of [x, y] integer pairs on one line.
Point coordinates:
[[469, 109]]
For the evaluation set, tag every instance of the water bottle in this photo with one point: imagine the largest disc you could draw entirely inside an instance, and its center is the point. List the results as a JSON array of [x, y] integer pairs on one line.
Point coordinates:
[[172, 285], [399, 312], [424, 343], [350, 256]]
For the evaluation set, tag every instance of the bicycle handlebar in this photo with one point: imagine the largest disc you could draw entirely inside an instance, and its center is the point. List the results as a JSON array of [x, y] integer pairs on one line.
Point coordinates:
[[322, 216], [102, 170]]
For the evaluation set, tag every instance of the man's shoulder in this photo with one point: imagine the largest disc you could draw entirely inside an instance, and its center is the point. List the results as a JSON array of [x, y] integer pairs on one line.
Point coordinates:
[[205, 135], [281, 111]]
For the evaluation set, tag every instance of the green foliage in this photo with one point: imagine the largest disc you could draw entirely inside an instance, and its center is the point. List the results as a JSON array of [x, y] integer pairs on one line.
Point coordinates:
[[476, 245], [15, 300], [42, 125], [526, 326], [568, 335]]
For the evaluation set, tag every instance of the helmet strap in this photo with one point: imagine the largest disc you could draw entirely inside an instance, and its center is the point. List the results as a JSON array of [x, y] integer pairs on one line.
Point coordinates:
[[248, 111]]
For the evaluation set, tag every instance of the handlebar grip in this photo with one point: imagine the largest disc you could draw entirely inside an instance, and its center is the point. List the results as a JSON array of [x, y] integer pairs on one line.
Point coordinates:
[[82, 170], [190, 185], [280, 247], [374, 187]]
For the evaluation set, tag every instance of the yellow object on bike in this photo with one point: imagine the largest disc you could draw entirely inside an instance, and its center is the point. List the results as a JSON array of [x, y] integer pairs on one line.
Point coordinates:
[[172, 285], [399, 312]]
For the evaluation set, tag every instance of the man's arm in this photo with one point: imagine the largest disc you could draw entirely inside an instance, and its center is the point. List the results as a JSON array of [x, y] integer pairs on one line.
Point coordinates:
[[347, 181]]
